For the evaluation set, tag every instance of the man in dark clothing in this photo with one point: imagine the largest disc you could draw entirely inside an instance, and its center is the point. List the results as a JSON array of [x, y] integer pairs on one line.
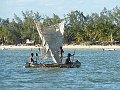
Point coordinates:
[[68, 59], [61, 54]]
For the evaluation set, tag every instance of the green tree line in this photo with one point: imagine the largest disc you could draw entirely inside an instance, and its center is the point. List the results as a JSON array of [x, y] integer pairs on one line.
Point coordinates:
[[79, 28]]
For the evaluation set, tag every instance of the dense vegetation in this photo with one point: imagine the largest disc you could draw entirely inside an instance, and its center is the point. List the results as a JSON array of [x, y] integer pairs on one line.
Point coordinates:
[[79, 28]]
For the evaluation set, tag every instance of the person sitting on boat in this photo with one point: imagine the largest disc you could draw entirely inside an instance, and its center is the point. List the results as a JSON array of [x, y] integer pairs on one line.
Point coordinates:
[[32, 58], [36, 58], [61, 54], [68, 61]]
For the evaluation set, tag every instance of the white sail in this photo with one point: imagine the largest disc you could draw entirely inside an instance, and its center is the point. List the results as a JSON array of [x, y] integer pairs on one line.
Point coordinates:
[[52, 39]]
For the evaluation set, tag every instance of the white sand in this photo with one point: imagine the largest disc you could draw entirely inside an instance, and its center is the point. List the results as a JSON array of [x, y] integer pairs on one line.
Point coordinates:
[[12, 47], [91, 47]]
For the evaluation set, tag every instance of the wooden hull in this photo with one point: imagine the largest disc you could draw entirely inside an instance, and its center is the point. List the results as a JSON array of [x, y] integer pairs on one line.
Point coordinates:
[[111, 49], [72, 65]]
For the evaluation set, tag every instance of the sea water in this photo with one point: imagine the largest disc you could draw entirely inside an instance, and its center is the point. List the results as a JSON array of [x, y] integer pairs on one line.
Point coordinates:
[[100, 70]]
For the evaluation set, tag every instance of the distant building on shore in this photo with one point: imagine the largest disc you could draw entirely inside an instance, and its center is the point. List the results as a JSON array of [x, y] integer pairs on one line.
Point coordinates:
[[29, 42]]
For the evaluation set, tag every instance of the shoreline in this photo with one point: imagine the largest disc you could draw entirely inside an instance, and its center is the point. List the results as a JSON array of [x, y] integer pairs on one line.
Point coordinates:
[[81, 47], [92, 47]]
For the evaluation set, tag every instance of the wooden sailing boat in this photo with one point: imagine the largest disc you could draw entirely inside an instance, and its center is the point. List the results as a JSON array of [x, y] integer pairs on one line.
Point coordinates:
[[111, 40], [52, 40]]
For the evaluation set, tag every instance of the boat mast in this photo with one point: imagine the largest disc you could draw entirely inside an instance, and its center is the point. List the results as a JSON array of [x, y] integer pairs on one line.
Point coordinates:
[[111, 38]]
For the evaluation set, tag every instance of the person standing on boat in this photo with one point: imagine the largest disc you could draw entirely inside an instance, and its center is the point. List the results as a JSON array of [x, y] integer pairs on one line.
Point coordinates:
[[68, 61], [61, 54]]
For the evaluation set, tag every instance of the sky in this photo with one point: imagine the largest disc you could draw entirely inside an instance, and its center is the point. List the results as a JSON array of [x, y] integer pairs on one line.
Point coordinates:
[[59, 7]]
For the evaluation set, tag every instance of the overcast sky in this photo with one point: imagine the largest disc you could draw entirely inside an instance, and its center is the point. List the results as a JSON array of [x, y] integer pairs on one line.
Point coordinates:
[[59, 7]]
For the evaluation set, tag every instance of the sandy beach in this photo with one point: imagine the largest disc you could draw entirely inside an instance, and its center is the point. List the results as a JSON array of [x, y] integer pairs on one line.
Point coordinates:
[[98, 47], [94, 47]]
